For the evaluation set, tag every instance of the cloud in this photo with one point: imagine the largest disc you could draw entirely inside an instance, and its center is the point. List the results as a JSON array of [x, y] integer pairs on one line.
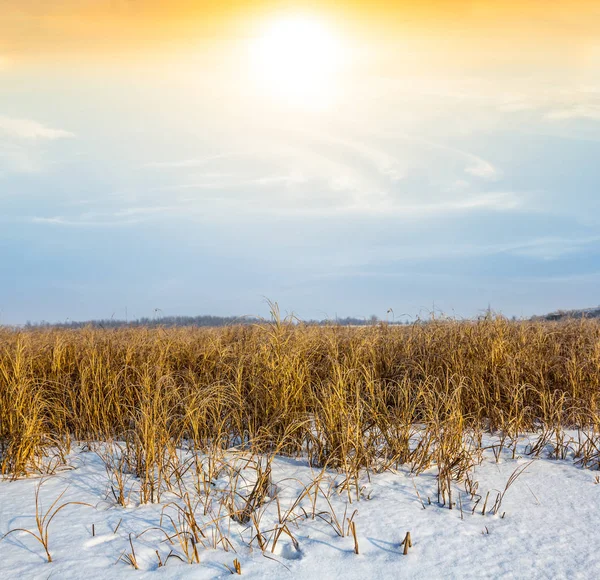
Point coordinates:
[[481, 168], [48, 220], [495, 201], [588, 111], [197, 162], [79, 221], [476, 165], [294, 177], [140, 211], [552, 248], [201, 208], [28, 129], [560, 104], [581, 103], [317, 174], [314, 172]]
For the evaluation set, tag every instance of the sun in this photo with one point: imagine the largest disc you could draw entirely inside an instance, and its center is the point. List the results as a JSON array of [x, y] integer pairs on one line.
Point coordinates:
[[297, 59]]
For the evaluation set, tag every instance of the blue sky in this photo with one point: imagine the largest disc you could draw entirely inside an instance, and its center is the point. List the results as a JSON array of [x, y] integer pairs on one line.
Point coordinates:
[[168, 182]]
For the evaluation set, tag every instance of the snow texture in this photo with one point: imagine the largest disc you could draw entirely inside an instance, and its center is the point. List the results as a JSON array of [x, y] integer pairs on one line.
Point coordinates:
[[547, 526]]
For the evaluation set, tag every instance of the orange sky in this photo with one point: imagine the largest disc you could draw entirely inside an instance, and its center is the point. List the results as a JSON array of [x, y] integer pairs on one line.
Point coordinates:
[[36, 28]]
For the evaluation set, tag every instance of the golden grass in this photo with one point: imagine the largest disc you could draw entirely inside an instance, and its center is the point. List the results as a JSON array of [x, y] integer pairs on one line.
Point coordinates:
[[348, 398]]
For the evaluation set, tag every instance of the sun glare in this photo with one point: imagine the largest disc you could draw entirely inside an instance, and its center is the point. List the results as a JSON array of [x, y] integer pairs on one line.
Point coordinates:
[[296, 59]]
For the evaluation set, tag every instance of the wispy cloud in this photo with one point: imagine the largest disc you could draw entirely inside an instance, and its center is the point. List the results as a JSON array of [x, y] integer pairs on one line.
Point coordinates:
[[195, 162], [552, 248], [28, 129], [481, 168], [226, 181], [557, 105], [144, 211], [495, 201], [477, 166], [203, 208], [587, 111], [80, 221], [313, 172]]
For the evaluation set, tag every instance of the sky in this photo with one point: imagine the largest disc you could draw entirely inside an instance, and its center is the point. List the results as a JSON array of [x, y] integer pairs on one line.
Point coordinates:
[[340, 158]]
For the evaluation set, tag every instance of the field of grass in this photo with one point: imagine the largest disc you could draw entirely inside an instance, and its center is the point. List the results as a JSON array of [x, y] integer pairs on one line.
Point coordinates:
[[197, 422]]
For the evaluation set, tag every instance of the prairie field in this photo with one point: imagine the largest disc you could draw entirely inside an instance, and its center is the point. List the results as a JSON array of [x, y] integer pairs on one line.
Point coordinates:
[[282, 448]]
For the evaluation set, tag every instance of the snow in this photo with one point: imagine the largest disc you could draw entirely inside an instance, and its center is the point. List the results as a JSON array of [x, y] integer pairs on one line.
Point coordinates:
[[547, 526]]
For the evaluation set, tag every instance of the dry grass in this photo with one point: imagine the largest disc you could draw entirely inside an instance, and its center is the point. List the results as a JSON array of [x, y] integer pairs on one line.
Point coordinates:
[[43, 519], [348, 398]]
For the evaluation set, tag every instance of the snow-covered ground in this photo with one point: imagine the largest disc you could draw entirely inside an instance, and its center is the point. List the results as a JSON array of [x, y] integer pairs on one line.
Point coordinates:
[[547, 526]]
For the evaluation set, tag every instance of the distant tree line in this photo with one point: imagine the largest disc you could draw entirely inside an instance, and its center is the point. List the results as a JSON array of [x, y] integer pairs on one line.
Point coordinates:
[[194, 321], [166, 321], [562, 314], [207, 320]]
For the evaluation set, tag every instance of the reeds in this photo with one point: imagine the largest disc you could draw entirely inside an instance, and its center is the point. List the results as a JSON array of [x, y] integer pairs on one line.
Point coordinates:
[[43, 519], [348, 398]]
